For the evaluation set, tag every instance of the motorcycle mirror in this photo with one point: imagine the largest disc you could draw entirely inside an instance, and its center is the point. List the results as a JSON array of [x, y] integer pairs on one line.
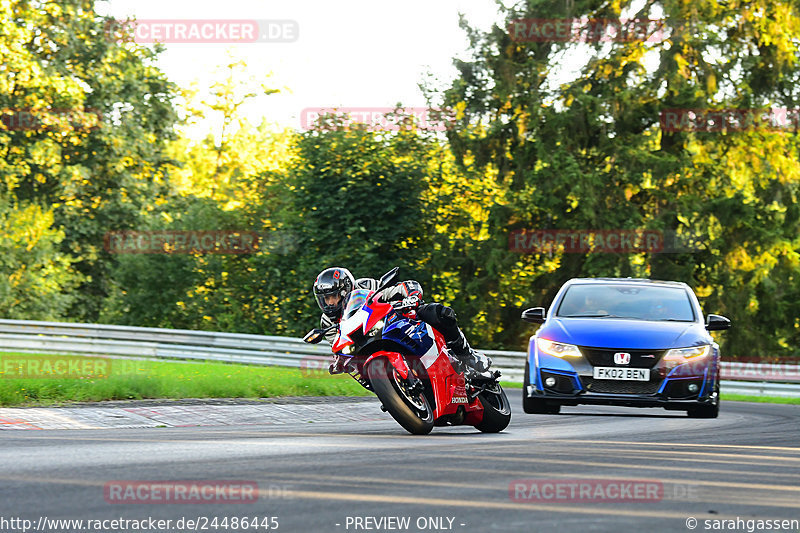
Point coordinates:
[[388, 278], [385, 281], [314, 336]]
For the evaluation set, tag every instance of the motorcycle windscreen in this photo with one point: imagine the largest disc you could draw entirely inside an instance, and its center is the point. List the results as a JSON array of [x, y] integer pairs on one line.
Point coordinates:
[[354, 302]]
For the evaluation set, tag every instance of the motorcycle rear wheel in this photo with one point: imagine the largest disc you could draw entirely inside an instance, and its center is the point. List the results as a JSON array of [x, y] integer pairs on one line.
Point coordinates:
[[496, 411], [410, 409]]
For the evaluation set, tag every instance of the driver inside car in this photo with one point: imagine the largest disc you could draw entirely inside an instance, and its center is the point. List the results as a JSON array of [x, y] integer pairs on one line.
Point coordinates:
[[333, 286]]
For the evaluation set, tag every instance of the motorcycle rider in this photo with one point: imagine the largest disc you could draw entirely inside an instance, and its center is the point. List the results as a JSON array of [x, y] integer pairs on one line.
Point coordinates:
[[333, 286]]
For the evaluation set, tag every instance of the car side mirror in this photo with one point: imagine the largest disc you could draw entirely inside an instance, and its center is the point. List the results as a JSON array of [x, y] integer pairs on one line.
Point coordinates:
[[717, 323], [536, 315]]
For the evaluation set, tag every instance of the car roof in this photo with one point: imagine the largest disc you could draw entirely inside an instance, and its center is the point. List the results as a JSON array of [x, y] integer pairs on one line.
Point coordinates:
[[626, 280]]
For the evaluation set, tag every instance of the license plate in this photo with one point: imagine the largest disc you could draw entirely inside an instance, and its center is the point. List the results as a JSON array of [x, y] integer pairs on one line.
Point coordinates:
[[621, 374]]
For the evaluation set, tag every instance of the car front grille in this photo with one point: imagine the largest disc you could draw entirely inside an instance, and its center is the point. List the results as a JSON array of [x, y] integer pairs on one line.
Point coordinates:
[[620, 387], [605, 357]]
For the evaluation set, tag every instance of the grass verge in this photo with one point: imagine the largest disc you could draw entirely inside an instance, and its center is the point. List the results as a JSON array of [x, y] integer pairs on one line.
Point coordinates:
[[759, 399], [94, 379], [32, 379]]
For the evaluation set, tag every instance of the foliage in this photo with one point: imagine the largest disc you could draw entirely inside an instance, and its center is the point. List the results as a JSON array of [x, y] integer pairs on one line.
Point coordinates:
[[589, 153], [531, 146], [351, 198], [96, 155], [36, 282]]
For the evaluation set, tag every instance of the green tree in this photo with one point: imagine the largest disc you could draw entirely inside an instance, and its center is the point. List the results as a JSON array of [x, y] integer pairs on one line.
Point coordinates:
[[221, 182], [589, 153], [102, 167], [352, 198], [36, 281]]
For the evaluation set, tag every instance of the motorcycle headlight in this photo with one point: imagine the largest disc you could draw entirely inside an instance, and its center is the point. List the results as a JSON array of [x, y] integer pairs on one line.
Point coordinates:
[[376, 329], [347, 350], [692, 352], [558, 349]]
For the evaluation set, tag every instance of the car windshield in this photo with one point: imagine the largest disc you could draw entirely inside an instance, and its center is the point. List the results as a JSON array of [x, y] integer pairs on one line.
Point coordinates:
[[355, 301], [642, 302]]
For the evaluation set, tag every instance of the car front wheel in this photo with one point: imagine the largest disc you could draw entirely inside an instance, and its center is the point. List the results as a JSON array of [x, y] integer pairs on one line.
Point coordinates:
[[709, 410], [535, 406]]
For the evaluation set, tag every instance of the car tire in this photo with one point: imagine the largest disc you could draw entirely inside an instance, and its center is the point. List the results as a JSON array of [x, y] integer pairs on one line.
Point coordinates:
[[704, 411], [535, 406]]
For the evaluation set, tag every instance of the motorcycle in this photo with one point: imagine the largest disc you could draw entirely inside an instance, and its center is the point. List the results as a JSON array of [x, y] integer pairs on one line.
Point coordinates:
[[406, 363]]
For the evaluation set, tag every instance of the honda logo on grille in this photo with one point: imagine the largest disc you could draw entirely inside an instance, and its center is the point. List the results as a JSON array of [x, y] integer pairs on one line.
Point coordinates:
[[622, 358]]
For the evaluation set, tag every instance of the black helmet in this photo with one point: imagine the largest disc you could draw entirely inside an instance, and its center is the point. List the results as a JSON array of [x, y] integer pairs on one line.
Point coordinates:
[[331, 281]]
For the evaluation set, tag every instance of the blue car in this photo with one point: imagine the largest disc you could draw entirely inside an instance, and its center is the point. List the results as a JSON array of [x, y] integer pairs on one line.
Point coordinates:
[[623, 341]]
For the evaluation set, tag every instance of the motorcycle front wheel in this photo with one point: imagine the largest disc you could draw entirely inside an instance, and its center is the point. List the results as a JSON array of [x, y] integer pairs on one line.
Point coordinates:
[[409, 408]]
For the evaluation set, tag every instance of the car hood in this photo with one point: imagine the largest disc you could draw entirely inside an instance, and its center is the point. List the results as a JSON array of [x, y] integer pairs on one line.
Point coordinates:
[[624, 333]]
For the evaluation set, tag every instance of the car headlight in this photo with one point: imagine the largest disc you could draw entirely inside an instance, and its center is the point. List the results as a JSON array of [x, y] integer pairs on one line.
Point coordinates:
[[376, 329], [690, 353], [558, 349]]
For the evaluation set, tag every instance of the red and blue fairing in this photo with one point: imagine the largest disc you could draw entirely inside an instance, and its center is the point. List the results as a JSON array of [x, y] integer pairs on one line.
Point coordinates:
[[369, 330]]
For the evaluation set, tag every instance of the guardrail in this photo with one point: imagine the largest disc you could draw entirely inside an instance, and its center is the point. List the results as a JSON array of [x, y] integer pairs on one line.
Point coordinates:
[[158, 343]]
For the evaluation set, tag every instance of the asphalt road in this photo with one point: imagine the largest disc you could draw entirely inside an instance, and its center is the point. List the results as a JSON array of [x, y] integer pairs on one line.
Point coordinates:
[[587, 469]]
